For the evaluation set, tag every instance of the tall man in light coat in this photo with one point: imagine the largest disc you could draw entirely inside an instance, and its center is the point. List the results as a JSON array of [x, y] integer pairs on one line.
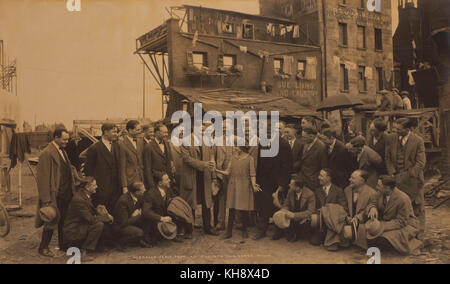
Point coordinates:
[[405, 158], [55, 185], [131, 166], [197, 178]]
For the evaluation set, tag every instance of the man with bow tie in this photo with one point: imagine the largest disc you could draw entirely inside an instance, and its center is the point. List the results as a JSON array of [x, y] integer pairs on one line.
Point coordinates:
[[405, 159], [131, 166], [157, 157], [102, 163]]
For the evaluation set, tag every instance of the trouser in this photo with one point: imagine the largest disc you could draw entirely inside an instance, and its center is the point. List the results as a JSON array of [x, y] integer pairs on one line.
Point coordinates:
[[62, 205], [206, 212], [245, 215], [220, 205], [155, 236], [90, 240], [130, 235], [296, 231], [266, 209], [109, 199]]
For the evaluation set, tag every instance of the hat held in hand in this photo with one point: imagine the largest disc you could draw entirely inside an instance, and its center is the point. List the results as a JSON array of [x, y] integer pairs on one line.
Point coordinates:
[[374, 229], [49, 215], [281, 220], [168, 230]]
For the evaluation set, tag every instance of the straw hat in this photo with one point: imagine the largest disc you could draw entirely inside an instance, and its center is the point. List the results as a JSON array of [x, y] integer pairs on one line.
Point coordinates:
[[374, 229], [280, 219], [168, 230]]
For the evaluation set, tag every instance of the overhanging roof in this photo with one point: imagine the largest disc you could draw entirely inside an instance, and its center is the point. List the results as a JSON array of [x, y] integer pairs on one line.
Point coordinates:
[[223, 100]]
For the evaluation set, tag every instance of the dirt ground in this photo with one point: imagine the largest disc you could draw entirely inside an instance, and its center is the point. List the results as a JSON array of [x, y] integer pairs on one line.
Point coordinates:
[[20, 246]]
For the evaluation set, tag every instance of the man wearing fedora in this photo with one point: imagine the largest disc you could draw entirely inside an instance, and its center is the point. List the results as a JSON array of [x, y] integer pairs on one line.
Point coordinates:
[[102, 163], [406, 159], [55, 183], [129, 224], [155, 209], [83, 226], [398, 227], [359, 195], [298, 207]]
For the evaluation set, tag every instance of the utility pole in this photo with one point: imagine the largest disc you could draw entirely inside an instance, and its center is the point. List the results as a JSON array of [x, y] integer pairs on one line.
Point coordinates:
[[143, 90]]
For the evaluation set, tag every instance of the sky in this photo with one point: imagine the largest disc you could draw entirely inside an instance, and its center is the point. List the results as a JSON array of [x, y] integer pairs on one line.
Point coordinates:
[[80, 65]]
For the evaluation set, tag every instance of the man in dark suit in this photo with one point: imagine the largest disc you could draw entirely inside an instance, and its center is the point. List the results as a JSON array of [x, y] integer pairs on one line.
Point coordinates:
[[102, 163], [129, 224], [131, 166], [56, 187], [290, 134], [157, 157], [83, 227], [300, 205], [406, 159], [328, 193], [366, 159], [339, 159], [377, 141], [149, 133], [272, 174], [313, 158], [156, 202]]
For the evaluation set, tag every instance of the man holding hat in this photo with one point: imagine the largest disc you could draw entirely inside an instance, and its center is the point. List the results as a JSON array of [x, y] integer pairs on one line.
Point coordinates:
[[129, 225], [398, 227], [155, 208], [297, 209], [55, 183]]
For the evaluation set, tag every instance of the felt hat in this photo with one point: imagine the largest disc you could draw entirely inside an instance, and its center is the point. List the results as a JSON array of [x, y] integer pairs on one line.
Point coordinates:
[[168, 230], [280, 219], [374, 229], [317, 220], [180, 208], [49, 215], [358, 141]]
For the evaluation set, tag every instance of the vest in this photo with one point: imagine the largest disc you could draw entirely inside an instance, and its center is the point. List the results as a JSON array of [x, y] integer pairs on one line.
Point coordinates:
[[400, 157], [65, 186]]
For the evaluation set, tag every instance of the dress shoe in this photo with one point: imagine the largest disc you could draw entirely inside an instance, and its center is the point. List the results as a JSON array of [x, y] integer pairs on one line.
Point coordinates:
[[334, 247], [211, 232], [46, 253], [86, 256], [177, 240], [144, 244], [228, 235], [187, 236], [277, 236], [259, 237], [292, 239]]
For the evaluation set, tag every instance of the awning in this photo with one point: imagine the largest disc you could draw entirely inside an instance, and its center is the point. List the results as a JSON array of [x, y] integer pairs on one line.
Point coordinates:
[[223, 100]]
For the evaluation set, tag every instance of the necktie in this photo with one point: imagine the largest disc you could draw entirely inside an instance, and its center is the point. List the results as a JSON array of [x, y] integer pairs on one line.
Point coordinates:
[[66, 158]]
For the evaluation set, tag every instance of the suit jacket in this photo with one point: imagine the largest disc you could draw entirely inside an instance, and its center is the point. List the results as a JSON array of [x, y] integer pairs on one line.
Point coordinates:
[[131, 166], [380, 148], [371, 162], [80, 215], [296, 151], [367, 195], [49, 178], [154, 206], [307, 204], [415, 158], [156, 162], [310, 163], [224, 156], [400, 224], [124, 210], [196, 159], [103, 165], [339, 161], [335, 196]]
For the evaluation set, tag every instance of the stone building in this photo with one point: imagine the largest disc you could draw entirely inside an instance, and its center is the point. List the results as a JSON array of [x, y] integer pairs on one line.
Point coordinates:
[[232, 61], [356, 43]]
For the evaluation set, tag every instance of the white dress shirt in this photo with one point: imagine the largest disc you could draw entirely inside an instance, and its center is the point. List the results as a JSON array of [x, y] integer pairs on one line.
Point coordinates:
[[132, 142], [61, 153], [108, 144]]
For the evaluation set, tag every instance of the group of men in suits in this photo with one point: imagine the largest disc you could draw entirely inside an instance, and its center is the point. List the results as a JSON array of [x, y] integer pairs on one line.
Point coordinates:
[[136, 175]]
